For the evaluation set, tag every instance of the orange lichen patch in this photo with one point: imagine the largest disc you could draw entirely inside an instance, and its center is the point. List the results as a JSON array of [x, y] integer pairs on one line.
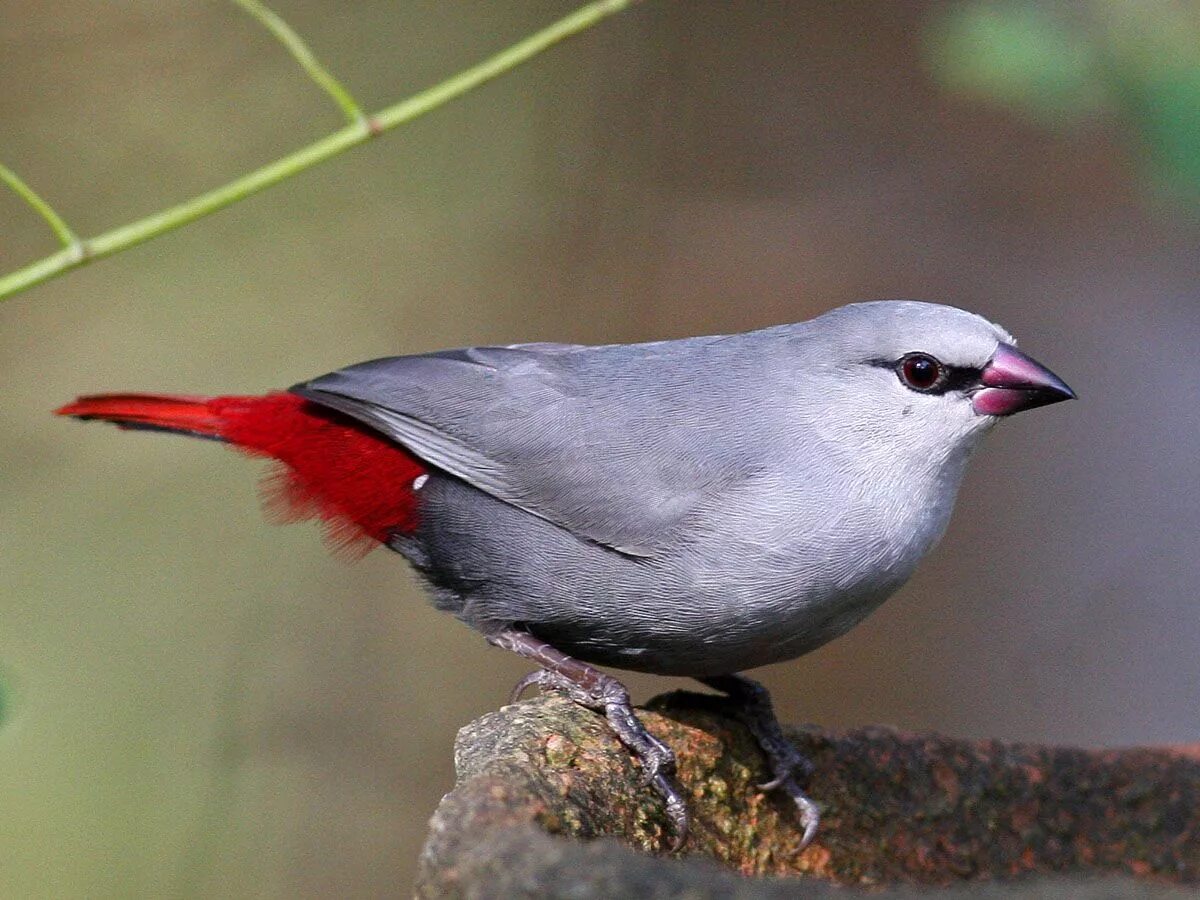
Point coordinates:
[[947, 781], [818, 861], [1187, 751], [1033, 774], [1024, 816]]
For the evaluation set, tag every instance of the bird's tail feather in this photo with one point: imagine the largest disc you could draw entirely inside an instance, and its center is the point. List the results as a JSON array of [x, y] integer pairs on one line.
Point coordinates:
[[333, 467], [193, 416]]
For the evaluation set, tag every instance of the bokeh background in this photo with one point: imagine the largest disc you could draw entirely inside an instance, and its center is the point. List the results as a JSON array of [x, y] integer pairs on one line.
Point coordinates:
[[198, 704]]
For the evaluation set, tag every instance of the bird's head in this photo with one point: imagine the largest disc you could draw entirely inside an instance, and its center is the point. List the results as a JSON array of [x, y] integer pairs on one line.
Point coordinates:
[[923, 379]]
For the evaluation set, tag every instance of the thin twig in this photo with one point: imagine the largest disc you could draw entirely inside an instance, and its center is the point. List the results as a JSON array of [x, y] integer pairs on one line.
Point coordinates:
[[304, 56], [359, 132], [60, 228]]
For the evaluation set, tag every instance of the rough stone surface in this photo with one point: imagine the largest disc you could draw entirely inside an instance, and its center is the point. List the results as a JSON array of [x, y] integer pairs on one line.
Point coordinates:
[[548, 804]]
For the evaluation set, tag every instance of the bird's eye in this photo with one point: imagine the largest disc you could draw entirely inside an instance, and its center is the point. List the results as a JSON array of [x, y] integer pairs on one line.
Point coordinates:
[[921, 372]]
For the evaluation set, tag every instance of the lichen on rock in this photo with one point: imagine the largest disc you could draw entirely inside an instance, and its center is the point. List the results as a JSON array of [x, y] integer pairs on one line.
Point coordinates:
[[549, 804]]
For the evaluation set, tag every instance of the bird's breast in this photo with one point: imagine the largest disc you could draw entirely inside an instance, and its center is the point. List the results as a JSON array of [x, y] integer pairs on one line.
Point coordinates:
[[783, 577]]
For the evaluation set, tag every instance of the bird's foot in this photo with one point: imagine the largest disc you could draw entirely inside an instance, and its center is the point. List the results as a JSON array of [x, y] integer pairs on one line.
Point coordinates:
[[591, 688], [790, 768], [542, 679], [806, 808], [787, 763]]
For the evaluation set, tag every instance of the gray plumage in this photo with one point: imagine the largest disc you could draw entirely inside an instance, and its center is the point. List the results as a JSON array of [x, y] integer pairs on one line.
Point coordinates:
[[693, 507], [690, 507]]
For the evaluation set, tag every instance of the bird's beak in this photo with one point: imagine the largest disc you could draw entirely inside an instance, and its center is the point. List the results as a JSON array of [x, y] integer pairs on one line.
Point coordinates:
[[1011, 382]]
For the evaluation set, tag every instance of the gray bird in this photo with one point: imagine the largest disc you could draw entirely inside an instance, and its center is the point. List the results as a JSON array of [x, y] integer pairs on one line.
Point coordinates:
[[694, 507]]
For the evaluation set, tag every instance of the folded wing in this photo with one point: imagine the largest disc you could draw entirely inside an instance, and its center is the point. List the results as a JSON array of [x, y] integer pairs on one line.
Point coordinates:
[[576, 435]]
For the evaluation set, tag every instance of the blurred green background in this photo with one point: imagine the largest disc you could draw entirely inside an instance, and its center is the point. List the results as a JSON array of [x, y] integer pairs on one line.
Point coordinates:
[[198, 704]]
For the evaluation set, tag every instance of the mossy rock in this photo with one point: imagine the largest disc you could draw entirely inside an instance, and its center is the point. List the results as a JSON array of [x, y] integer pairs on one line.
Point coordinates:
[[548, 804]]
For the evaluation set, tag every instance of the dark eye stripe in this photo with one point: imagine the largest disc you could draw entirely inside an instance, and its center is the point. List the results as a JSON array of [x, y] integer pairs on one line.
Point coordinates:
[[954, 378], [959, 378]]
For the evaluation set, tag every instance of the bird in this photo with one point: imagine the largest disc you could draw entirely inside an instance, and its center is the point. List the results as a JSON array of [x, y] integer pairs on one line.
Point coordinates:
[[694, 507]]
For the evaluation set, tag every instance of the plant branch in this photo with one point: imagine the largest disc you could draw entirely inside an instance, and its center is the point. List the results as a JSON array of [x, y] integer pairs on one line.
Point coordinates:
[[60, 228], [304, 56], [359, 132]]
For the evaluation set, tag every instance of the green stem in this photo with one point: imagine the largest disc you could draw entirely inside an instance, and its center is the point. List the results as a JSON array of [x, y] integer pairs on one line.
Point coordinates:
[[359, 132], [60, 228], [304, 56]]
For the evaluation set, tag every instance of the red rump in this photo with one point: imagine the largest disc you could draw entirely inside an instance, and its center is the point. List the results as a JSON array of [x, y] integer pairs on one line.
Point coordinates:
[[335, 469]]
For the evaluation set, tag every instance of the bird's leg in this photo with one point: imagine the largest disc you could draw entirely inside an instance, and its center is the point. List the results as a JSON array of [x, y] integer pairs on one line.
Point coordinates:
[[592, 688], [789, 767]]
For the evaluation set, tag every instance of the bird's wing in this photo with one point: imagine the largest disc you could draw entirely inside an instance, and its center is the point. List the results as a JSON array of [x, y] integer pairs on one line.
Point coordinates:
[[560, 431]]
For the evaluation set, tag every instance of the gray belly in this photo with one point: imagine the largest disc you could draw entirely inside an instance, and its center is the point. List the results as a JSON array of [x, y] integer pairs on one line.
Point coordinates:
[[724, 643], [714, 606]]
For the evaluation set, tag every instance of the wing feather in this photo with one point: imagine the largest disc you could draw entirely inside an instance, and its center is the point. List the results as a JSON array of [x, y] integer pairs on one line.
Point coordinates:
[[575, 435]]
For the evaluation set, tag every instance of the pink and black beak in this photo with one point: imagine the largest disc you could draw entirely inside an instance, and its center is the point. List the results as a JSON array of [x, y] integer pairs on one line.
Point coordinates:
[[1012, 381]]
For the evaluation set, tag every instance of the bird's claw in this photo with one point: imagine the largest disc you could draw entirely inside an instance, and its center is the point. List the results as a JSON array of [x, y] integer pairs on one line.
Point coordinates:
[[790, 773], [789, 767], [810, 813], [786, 763], [657, 760], [676, 809], [774, 783], [536, 678]]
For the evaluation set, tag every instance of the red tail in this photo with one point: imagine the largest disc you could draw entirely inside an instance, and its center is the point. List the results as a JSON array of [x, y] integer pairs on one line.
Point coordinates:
[[335, 469], [186, 415]]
